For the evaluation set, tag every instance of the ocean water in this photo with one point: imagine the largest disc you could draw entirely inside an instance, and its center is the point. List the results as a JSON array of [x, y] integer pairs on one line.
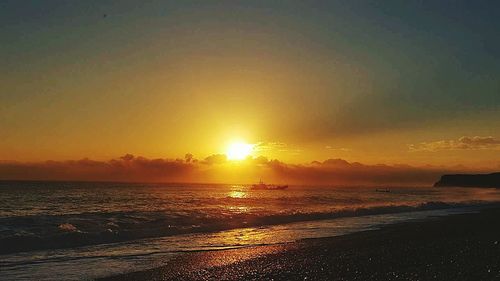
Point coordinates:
[[87, 230]]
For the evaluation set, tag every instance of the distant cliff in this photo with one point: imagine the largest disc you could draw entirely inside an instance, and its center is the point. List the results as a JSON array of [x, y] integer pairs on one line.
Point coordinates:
[[464, 180]]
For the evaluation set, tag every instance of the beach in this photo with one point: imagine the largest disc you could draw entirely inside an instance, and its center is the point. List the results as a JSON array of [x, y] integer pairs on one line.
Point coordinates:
[[456, 247], [230, 232]]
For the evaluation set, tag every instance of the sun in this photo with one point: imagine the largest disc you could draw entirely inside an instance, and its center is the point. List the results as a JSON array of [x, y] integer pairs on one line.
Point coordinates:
[[239, 150]]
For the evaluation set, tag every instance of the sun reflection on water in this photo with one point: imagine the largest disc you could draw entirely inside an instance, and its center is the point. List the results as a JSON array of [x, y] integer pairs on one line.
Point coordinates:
[[238, 209], [237, 194], [245, 236]]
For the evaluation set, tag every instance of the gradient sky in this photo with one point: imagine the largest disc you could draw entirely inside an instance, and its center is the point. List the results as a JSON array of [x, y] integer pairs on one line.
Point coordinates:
[[368, 81]]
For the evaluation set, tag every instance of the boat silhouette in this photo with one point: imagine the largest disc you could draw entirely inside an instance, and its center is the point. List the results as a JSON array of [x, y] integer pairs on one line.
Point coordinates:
[[262, 186]]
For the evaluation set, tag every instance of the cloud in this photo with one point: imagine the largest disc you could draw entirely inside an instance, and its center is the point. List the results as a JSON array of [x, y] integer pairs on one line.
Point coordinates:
[[463, 143], [342, 172], [266, 146], [216, 168], [189, 158], [276, 146], [215, 159], [125, 168]]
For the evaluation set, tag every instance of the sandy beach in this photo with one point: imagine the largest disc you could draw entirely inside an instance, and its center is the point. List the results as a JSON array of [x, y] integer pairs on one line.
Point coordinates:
[[458, 247]]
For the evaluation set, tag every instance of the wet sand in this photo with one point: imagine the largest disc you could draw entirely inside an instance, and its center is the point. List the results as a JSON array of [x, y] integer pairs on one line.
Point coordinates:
[[458, 247]]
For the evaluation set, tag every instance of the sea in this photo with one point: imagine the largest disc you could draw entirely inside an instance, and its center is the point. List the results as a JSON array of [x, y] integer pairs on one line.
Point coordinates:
[[85, 230]]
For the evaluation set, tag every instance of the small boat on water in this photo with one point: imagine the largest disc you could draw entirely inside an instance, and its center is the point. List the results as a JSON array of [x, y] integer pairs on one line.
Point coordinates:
[[382, 190], [262, 186]]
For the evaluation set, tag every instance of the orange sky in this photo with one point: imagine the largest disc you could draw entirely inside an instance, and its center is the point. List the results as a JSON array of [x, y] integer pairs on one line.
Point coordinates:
[[301, 82]]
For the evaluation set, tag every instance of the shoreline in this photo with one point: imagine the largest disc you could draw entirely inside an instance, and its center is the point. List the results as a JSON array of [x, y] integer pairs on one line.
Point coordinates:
[[455, 247], [73, 239]]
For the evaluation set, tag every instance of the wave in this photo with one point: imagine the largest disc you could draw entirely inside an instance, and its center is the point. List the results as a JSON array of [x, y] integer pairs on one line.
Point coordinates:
[[29, 233]]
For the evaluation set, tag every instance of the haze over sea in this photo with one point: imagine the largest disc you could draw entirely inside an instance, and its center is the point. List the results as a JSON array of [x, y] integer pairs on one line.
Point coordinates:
[[86, 229]]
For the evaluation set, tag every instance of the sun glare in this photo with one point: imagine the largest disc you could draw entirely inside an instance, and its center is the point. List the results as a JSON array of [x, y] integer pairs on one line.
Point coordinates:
[[239, 150]]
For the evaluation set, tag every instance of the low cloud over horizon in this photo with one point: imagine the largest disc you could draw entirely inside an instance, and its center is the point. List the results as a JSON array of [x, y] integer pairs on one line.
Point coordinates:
[[217, 168]]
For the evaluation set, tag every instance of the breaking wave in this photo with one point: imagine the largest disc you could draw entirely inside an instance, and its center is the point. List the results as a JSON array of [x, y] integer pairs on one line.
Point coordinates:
[[28, 233]]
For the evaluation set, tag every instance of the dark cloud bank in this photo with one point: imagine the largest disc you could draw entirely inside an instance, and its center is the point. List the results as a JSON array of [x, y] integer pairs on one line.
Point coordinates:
[[216, 168]]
